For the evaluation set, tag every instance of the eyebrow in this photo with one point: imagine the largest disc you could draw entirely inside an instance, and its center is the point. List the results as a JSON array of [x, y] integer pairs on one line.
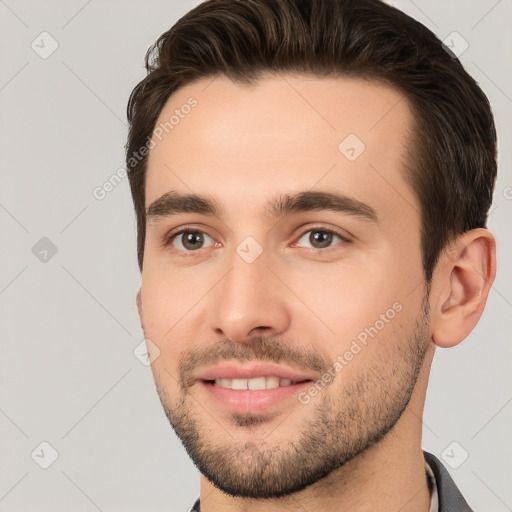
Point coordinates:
[[173, 203]]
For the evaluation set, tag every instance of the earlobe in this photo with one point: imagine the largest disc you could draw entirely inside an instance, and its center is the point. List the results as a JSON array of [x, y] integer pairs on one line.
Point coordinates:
[[466, 274]]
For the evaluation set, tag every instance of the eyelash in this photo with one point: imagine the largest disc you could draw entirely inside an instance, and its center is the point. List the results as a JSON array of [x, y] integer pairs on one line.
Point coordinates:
[[169, 238]]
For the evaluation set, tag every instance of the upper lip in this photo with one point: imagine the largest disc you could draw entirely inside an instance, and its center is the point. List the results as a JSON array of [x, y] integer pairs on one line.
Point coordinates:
[[250, 371]]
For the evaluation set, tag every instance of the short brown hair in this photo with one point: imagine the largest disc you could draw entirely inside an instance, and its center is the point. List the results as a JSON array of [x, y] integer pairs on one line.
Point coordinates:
[[451, 164]]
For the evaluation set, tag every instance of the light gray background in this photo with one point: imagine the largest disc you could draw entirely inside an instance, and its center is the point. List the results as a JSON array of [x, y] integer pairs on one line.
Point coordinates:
[[69, 325]]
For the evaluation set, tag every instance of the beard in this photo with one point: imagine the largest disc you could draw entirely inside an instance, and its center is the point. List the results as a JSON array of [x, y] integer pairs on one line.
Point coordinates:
[[341, 425]]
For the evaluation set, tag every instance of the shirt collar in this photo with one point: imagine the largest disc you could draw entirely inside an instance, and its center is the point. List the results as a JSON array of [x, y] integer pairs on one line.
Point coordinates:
[[434, 497]]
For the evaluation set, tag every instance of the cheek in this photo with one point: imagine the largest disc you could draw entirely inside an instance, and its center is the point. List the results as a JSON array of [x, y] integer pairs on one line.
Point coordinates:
[[165, 307], [169, 295], [159, 321], [343, 299]]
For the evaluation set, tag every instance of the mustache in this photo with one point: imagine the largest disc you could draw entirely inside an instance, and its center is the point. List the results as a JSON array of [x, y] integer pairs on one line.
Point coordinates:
[[258, 349]]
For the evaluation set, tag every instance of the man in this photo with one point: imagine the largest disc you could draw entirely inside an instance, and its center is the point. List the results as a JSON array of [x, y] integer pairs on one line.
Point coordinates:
[[311, 180]]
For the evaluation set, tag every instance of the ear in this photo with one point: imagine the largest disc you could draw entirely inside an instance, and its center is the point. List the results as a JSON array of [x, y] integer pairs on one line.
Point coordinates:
[[138, 300], [464, 277]]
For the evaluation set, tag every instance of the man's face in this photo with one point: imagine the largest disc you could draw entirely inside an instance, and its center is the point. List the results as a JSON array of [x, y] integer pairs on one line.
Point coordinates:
[[278, 293]]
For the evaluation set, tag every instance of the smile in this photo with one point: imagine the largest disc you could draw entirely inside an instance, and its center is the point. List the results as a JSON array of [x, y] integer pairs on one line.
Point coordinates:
[[256, 383]]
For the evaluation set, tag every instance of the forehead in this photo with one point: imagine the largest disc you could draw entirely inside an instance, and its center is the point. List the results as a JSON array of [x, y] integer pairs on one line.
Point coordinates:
[[285, 133]]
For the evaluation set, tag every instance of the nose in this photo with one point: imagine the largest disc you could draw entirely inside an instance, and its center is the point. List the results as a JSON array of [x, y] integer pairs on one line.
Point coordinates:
[[249, 301]]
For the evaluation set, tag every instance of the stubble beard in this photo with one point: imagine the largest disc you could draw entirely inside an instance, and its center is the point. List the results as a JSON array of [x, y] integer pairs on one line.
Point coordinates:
[[338, 429]]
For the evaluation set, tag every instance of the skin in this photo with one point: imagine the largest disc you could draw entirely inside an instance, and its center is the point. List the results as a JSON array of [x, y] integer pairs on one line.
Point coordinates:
[[243, 145]]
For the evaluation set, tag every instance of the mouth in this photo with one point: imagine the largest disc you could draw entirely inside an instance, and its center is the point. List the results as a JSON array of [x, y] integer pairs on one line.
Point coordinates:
[[253, 389], [255, 383]]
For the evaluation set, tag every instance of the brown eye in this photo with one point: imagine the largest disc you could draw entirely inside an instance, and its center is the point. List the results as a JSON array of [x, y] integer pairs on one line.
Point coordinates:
[[319, 238], [189, 240]]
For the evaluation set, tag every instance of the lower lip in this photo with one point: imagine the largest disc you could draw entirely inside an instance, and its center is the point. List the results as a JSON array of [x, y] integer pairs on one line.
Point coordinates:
[[247, 401]]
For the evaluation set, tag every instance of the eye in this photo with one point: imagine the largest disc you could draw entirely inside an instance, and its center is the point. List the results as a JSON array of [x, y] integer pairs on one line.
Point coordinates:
[[189, 240], [320, 238]]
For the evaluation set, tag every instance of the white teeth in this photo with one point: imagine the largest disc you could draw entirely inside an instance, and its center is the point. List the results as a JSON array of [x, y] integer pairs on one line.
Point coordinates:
[[272, 382], [256, 383], [238, 383]]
